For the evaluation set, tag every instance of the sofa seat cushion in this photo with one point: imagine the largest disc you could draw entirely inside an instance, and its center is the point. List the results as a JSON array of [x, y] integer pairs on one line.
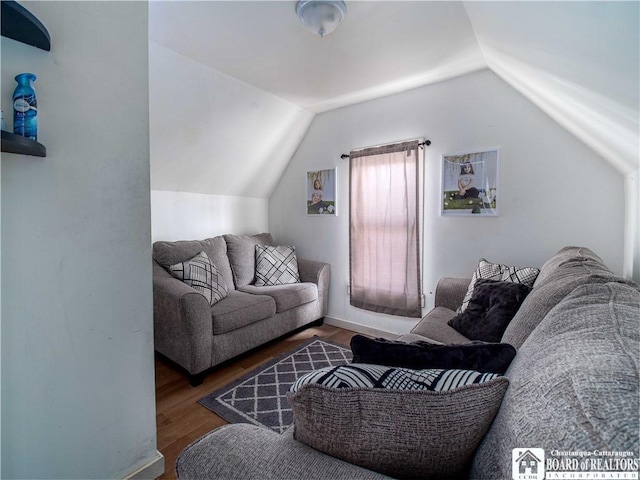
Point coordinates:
[[434, 326], [414, 337], [574, 382], [286, 296], [399, 422], [240, 309]]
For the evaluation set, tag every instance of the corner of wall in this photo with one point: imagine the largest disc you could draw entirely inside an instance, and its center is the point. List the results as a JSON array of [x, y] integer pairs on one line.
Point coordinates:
[[153, 469]]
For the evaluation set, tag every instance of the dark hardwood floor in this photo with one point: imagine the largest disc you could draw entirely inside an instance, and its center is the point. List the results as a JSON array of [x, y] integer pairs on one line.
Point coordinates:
[[181, 419]]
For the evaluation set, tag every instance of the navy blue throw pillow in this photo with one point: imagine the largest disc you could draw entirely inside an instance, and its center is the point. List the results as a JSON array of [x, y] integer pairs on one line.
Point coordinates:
[[492, 306], [479, 356]]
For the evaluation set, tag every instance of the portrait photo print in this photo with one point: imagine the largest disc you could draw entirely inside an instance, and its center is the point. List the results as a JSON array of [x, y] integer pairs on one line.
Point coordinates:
[[470, 184], [321, 192]]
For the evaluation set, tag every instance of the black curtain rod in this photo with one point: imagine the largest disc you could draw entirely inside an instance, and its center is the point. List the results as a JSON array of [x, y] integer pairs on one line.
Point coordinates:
[[421, 144]]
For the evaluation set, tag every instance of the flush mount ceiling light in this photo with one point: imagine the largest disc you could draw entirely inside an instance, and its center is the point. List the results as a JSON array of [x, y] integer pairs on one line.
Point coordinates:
[[321, 16]]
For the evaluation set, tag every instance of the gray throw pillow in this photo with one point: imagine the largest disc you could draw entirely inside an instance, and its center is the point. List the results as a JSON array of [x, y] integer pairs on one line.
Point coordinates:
[[201, 275], [276, 265], [399, 422]]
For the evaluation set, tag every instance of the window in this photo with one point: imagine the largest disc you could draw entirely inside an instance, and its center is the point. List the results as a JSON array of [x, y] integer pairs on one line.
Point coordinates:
[[384, 238]]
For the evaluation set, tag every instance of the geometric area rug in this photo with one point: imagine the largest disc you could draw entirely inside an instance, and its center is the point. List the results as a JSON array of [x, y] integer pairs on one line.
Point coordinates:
[[260, 397]]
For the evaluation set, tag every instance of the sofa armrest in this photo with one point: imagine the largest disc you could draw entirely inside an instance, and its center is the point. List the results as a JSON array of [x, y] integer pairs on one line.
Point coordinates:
[[250, 452], [182, 322], [320, 274], [451, 291]]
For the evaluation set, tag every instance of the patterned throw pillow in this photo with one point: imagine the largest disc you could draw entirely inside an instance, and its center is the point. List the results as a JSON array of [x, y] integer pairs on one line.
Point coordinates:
[[498, 271], [276, 265], [439, 417], [363, 375], [202, 275]]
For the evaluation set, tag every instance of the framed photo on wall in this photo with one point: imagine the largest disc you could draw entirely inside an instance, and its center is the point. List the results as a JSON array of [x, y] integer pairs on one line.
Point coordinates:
[[321, 192], [470, 184]]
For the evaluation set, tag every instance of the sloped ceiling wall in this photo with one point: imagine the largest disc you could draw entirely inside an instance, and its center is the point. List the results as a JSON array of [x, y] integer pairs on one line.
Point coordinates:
[[213, 134], [577, 61]]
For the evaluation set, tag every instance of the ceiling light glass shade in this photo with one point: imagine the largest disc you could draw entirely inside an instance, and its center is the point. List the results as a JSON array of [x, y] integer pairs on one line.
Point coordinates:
[[321, 16]]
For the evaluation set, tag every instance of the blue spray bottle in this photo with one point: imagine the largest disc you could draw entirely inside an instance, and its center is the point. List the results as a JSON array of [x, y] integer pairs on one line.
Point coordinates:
[[25, 107]]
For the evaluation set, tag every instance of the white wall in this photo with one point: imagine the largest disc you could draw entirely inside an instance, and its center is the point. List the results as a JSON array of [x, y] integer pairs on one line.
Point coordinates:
[[554, 190], [77, 342], [195, 216]]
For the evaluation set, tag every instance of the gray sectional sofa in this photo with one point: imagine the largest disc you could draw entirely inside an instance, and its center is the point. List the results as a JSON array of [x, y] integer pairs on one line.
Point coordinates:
[[573, 383], [197, 336]]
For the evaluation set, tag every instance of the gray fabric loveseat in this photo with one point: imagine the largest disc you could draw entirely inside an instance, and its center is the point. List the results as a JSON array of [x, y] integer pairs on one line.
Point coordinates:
[[196, 335], [573, 387]]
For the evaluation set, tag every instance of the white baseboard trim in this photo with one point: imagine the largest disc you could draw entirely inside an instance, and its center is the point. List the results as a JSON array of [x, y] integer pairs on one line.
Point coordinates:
[[150, 471], [359, 328]]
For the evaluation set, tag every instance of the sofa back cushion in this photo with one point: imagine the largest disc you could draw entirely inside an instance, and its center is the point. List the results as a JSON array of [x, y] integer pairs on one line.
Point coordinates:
[[170, 253], [573, 383], [241, 250], [564, 255], [570, 268]]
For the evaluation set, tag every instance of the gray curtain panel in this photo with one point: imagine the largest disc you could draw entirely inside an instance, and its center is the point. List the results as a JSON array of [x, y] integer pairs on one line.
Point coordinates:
[[384, 229]]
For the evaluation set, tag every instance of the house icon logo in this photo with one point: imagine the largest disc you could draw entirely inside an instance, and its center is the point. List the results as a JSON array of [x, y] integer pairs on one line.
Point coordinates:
[[527, 463]]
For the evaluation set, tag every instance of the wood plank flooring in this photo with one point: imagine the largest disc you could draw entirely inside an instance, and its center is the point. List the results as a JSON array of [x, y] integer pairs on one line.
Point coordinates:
[[181, 419]]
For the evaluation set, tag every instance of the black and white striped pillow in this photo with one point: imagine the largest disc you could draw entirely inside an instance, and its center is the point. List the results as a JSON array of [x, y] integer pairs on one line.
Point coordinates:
[[202, 275], [360, 375], [276, 265]]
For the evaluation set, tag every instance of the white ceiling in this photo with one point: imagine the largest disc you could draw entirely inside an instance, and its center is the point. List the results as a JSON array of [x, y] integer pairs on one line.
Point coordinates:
[[578, 61], [379, 46]]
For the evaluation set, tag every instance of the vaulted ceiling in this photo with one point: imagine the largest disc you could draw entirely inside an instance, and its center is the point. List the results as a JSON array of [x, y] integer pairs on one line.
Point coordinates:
[[578, 61], [378, 45]]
